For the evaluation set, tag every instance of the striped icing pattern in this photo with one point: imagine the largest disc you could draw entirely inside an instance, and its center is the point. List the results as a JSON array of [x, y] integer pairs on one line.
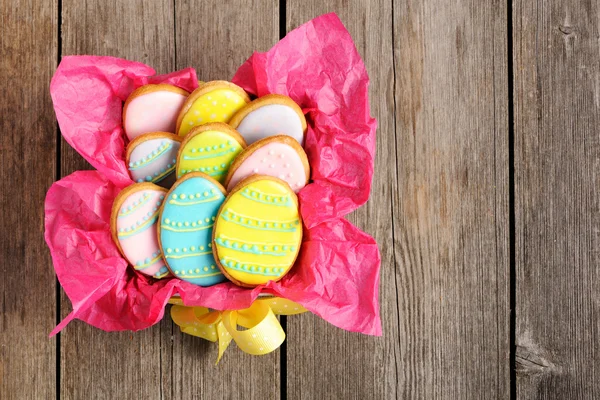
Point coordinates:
[[262, 242], [136, 231], [186, 227], [210, 152]]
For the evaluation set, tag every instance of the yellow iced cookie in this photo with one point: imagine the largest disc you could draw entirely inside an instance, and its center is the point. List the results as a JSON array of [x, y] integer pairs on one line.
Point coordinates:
[[211, 149], [214, 101], [258, 231]]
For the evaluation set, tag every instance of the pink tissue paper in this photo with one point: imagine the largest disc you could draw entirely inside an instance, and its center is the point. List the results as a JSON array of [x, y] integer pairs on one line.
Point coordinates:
[[336, 275]]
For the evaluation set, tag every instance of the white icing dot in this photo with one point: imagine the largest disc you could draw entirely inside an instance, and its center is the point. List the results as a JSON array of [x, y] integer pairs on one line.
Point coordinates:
[[213, 116], [272, 166], [281, 155], [190, 123], [199, 120], [300, 183], [225, 116], [228, 95], [214, 103], [290, 175], [260, 349], [196, 112], [255, 170], [281, 176], [271, 152], [210, 98], [264, 160], [287, 165], [224, 105]]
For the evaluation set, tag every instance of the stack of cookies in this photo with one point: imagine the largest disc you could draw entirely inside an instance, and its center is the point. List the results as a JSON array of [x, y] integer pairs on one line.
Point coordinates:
[[216, 181]]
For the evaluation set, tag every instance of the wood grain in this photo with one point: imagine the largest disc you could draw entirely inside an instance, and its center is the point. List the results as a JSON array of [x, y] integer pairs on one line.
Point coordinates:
[[28, 42], [97, 364], [216, 38], [324, 362], [451, 230], [557, 160]]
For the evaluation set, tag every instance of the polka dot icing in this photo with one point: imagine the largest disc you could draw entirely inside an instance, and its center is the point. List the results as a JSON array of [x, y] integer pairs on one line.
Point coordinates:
[[153, 155], [258, 232], [134, 217], [152, 108], [277, 156], [186, 228], [214, 101], [210, 149]]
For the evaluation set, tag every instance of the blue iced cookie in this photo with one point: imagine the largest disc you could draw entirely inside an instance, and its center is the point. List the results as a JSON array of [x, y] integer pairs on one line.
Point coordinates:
[[186, 227]]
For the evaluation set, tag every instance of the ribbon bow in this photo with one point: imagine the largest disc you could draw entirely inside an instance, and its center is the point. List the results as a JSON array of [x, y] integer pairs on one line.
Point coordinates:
[[263, 333]]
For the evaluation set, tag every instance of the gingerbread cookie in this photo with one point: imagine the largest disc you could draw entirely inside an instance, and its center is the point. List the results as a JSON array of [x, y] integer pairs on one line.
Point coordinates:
[[133, 224], [258, 231], [151, 157], [211, 149], [214, 101], [273, 114], [278, 156], [152, 108], [185, 228]]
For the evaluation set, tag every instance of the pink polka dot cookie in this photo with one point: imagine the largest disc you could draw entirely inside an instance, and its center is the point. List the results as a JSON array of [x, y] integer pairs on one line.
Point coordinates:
[[215, 101], [152, 108], [270, 115], [277, 156], [133, 223]]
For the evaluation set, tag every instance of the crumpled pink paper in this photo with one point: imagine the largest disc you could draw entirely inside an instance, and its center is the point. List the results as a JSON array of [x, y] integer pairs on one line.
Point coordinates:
[[336, 275]]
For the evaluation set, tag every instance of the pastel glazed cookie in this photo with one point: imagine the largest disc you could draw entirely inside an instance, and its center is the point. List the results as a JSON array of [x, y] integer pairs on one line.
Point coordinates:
[[211, 149], [133, 223], [214, 101], [258, 231], [151, 157], [152, 108], [278, 156], [273, 114], [185, 228]]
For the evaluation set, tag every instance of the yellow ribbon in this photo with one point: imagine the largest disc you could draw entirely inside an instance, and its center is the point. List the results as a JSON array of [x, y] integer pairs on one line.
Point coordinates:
[[263, 333]]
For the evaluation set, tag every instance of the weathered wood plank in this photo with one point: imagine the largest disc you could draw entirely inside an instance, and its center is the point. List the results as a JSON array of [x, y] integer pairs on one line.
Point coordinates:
[[444, 291], [28, 48], [557, 153], [216, 38], [325, 362], [97, 364], [452, 230]]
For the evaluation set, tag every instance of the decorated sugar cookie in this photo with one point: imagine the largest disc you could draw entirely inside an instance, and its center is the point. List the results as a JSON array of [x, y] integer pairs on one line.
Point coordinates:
[[152, 108], [258, 231], [214, 101], [185, 228], [151, 157], [211, 149], [278, 156], [273, 114], [133, 223]]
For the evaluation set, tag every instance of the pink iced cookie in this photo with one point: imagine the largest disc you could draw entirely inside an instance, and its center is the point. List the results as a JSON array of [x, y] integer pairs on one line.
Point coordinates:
[[152, 108], [133, 224], [279, 156]]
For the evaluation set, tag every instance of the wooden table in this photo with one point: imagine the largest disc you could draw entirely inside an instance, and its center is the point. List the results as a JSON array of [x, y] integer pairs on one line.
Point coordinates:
[[485, 202]]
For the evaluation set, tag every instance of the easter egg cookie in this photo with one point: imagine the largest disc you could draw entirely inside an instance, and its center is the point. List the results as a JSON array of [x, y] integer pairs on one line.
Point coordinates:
[[214, 101], [151, 157], [273, 114], [278, 156], [133, 224], [258, 231], [152, 108], [185, 228], [211, 149]]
